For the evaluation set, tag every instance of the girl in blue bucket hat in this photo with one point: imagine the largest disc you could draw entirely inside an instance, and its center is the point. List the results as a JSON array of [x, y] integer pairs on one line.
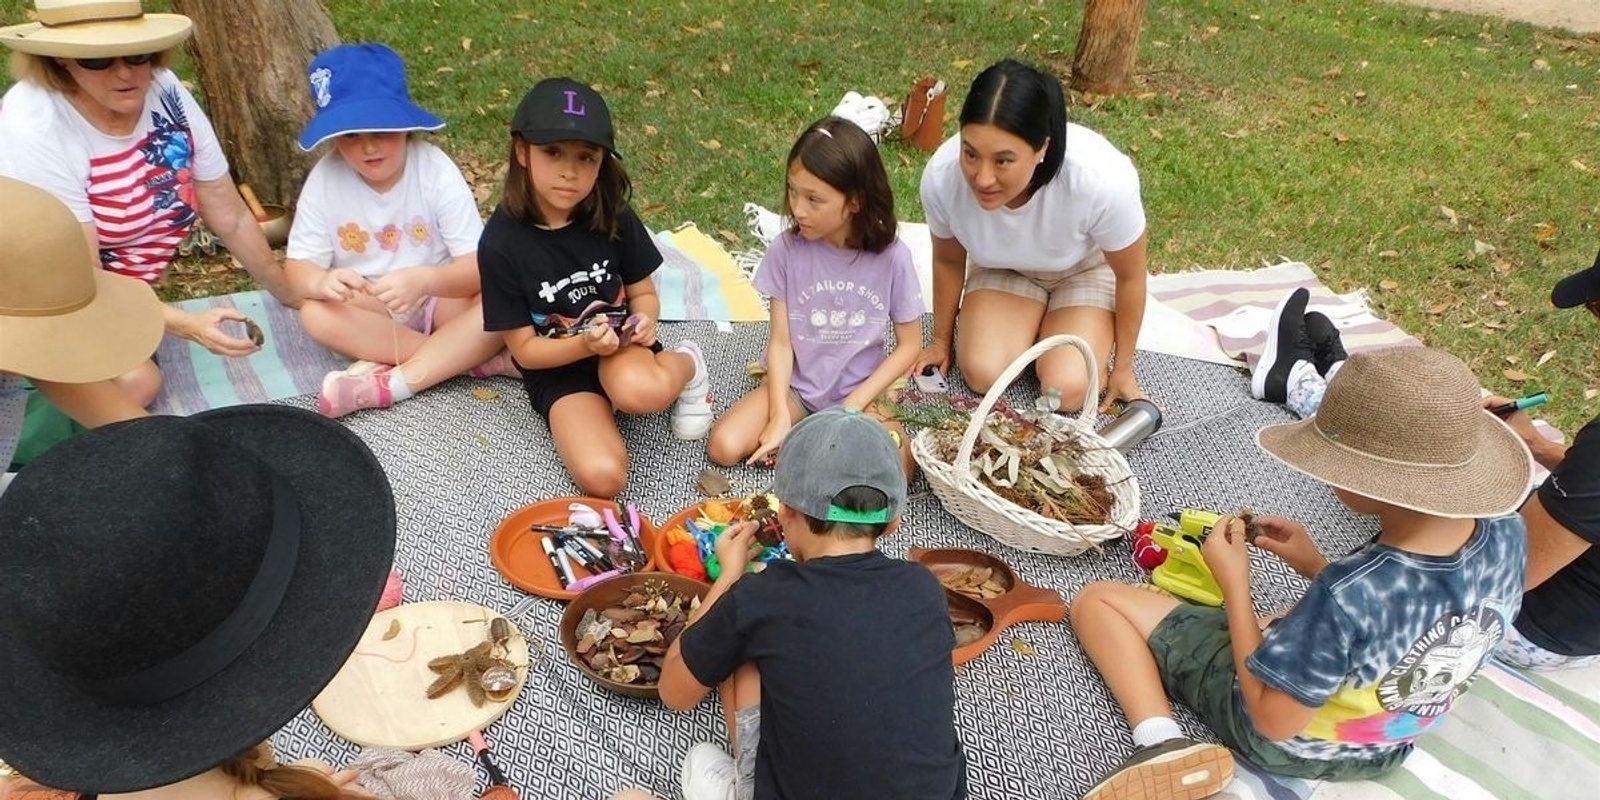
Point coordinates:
[[385, 239]]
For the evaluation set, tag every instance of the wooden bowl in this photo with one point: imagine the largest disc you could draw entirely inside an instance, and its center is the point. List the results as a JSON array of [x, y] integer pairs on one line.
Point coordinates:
[[515, 551], [610, 593], [1021, 601], [276, 226]]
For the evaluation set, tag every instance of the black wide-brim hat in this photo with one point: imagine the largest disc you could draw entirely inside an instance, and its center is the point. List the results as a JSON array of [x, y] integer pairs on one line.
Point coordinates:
[[131, 550], [1578, 288]]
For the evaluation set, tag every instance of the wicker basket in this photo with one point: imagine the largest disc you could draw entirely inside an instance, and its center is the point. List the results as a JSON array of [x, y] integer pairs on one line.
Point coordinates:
[[974, 503]]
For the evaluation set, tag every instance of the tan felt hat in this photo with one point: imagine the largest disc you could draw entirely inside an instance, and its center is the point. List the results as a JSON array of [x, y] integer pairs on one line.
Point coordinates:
[[1406, 426], [95, 29], [62, 317]]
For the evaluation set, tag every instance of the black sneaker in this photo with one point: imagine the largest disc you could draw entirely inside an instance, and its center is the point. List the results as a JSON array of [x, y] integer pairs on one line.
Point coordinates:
[[1176, 769], [1286, 344], [1327, 348]]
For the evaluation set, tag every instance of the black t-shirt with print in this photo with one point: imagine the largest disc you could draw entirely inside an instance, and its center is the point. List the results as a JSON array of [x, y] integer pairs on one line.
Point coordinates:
[[557, 278], [1562, 614]]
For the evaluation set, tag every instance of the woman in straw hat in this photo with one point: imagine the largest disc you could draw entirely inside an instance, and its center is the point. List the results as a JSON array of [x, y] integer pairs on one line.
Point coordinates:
[[65, 324], [1384, 639], [242, 580], [98, 120]]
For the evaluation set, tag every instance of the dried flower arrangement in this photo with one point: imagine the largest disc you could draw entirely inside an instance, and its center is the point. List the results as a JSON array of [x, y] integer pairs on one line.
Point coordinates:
[[1028, 458]]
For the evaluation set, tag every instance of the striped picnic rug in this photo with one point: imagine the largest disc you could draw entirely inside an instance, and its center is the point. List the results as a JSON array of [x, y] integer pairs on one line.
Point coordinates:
[[289, 362], [1513, 736], [1238, 305], [699, 280]]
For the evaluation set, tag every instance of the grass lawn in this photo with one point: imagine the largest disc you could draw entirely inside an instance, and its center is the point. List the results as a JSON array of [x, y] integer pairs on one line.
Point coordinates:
[[1450, 164]]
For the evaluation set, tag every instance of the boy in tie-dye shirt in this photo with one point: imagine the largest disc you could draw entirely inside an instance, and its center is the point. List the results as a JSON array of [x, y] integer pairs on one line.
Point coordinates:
[[1384, 639]]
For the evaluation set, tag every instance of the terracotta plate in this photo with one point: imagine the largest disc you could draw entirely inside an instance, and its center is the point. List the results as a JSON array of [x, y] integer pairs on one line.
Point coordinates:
[[516, 552]]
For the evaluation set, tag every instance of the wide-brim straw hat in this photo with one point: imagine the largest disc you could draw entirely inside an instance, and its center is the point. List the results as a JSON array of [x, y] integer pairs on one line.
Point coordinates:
[[62, 317], [95, 29], [1406, 426], [175, 589]]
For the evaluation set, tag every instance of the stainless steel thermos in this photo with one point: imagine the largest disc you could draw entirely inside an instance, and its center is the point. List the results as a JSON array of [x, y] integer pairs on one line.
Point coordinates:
[[1139, 419]]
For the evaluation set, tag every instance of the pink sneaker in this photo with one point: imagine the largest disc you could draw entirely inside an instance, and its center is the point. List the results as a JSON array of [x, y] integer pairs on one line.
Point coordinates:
[[343, 392]]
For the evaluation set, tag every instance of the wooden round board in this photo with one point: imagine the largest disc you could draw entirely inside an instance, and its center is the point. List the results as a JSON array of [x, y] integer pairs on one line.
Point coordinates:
[[380, 696]]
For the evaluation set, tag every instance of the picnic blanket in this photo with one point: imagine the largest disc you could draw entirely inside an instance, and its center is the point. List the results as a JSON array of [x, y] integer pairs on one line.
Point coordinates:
[[698, 279], [1035, 718]]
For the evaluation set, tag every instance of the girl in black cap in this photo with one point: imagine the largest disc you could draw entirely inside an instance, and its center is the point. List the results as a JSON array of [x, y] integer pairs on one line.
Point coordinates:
[[566, 268]]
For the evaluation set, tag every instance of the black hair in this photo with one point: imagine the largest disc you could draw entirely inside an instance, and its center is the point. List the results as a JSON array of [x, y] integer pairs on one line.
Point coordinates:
[[601, 211], [843, 156], [853, 498], [1026, 103]]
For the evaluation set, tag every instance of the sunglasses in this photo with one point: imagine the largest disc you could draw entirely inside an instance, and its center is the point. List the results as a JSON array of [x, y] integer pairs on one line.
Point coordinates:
[[101, 64]]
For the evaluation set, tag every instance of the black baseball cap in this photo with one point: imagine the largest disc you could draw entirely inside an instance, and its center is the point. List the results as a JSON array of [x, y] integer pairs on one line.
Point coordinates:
[[562, 109], [1578, 288]]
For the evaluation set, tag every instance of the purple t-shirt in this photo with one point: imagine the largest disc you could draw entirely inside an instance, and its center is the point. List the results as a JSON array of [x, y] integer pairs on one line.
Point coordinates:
[[841, 302]]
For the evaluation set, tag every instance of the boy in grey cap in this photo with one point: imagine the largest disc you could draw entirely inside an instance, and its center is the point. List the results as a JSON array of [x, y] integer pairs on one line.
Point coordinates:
[[834, 669]]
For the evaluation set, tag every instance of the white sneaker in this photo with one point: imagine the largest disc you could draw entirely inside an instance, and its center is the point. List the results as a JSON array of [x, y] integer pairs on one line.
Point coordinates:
[[708, 774], [691, 414]]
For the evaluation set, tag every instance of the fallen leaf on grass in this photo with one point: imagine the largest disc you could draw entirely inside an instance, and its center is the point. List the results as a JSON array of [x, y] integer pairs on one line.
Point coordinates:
[[485, 393], [1388, 254], [1480, 247], [466, 43], [1023, 648], [1513, 359], [1341, 137], [1333, 71], [650, 130], [733, 238], [961, 63], [1516, 375], [1545, 359], [711, 144], [1440, 308], [1386, 283], [653, 208], [1541, 65], [1493, 325], [1580, 166], [1544, 231], [1449, 214], [1590, 394]]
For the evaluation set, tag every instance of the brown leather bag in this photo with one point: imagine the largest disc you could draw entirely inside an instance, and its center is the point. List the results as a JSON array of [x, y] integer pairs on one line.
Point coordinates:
[[923, 122]]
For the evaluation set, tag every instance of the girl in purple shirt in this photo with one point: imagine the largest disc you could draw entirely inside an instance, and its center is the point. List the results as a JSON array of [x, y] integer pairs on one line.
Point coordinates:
[[835, 280]]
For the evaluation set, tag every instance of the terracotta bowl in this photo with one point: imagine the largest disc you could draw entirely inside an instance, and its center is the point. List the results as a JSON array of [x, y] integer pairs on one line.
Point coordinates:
[[1020, 602], [276, 226], [653, 545], [610, 593], [515, 551]]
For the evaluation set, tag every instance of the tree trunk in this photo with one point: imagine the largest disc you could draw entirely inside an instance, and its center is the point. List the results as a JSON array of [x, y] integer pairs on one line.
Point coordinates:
[[251, 58], [1108, 44]]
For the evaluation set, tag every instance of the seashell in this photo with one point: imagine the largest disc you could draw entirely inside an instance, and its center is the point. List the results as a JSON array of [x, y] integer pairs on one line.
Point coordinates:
[[500, 629], [584, 516], [498, 679], [253, 331], [712, 483]]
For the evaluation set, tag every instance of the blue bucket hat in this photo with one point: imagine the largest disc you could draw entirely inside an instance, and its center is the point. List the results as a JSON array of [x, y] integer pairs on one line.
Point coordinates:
[[361, 88]]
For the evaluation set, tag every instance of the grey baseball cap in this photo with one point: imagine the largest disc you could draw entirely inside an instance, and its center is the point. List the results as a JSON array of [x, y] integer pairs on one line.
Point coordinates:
[[831, 451]]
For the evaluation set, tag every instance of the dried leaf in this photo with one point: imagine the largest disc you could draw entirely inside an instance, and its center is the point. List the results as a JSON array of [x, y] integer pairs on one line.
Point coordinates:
[[485, 393], [1440, 308], [1341, 137], [1544, 231], [711, 144], [1333, 72], [733, 238], [1480, 247], [1388, 284], [466, 43], [1544, 359], [650, 130], [1516, 375], [1388, 254], [1590, 394], [1580, 166], [1022, 647], [1449, 214], [961, 63], [394, 630]]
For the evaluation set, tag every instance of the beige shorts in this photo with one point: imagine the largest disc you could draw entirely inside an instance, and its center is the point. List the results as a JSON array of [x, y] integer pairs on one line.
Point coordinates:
[[1090, 283]]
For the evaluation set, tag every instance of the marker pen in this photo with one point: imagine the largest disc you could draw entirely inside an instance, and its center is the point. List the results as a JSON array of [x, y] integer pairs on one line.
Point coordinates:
[[563, 572], [1520, 404]]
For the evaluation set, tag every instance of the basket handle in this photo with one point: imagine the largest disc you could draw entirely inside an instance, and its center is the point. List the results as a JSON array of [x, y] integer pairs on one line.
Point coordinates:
[[1091, 394]]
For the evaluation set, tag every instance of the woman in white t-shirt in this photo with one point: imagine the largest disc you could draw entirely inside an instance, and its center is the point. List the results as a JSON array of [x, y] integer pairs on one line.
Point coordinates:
[[1038, 229], [98, 120]]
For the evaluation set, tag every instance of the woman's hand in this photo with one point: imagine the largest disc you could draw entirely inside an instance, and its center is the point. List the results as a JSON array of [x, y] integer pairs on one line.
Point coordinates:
[[771, 438], [644, 329], [1288, 539], [600, 338], [205, 329], [338, 284], [1225, 553], [937, 353], [1121, 386], [403, 290], [733, 548]]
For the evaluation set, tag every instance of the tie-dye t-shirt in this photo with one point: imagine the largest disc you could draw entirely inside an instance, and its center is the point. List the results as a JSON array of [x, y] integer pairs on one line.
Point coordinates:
[[1385, 640]]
